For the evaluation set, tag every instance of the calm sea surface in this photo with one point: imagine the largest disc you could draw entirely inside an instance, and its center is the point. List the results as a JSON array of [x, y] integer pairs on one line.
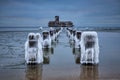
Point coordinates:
[[61, 63]]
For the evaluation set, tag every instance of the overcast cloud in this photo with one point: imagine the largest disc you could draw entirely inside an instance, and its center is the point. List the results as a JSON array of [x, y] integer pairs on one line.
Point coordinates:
[[39, 12]]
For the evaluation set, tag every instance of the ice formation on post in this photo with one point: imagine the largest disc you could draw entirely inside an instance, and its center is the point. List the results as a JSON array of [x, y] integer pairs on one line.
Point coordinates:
[[46, 39], [33, 49], [77, 39], [89, 48], [53, 34]]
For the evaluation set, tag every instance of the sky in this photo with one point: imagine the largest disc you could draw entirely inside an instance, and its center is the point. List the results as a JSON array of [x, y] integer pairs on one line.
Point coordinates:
[[80, 12]]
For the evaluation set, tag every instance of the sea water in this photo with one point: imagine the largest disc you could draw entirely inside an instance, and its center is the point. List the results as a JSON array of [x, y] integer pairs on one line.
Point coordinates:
[[60, 62]]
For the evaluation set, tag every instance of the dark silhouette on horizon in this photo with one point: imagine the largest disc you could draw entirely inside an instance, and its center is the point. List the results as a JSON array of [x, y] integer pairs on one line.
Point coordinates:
[[58, 23]]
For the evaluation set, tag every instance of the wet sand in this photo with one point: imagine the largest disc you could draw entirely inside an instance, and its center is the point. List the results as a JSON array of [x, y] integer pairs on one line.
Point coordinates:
[[61, 63]]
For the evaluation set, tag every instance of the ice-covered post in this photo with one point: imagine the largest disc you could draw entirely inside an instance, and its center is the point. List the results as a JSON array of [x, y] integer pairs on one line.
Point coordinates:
[[46, 39], [33, 49], [89, 48]]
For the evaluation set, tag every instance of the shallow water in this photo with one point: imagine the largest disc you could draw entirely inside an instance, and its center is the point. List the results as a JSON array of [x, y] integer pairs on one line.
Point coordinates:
[[60, 63]]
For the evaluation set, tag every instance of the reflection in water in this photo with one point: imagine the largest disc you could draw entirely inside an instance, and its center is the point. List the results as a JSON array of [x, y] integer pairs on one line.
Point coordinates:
[[76, 50], [46, 55], [89, 72], [72, 44], [54, 44], [34, 72], [76, 53]]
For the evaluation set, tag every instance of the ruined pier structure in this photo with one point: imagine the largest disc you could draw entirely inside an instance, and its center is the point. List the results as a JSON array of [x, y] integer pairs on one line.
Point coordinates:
[[58, 23]]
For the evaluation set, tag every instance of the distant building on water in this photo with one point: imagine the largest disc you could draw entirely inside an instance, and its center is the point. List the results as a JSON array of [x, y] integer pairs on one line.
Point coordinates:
[[58, 23]]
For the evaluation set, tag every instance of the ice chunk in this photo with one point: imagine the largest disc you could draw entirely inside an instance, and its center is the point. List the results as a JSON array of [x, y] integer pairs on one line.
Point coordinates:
[[46, 39], [33, 49], [89, 47]]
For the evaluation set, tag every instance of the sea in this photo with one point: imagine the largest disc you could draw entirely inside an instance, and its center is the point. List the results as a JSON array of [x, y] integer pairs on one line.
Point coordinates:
[[62, 63]]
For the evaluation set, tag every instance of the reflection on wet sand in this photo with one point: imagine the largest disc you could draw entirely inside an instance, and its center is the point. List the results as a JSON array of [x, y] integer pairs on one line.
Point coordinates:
[[54, 44], [33, 72], [46, 55], [89, 72], [76, 53]]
